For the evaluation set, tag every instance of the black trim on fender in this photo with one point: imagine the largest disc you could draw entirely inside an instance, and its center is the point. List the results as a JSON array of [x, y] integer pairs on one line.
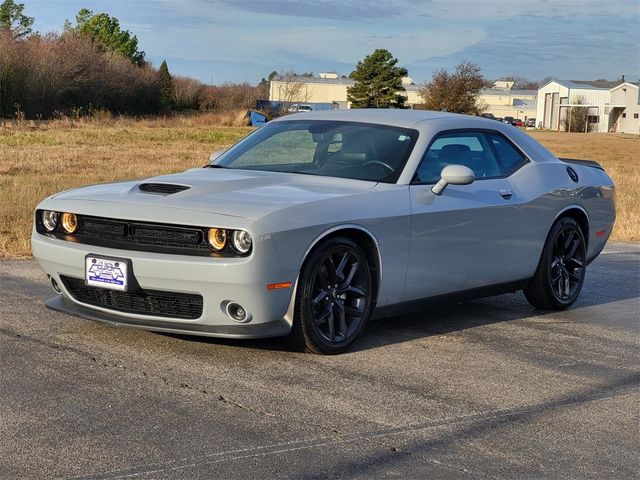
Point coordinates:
[[449, 298]]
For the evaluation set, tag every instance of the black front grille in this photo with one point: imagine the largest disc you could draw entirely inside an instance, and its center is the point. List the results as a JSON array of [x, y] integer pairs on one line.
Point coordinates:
[[138, 235], [162, 188], [142, 302]]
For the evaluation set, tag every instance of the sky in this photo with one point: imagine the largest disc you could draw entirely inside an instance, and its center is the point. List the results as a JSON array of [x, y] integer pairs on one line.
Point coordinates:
[[219, 41]]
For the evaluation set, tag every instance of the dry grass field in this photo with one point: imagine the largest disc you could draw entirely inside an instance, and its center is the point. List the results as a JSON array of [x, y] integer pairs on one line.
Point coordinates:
[[38, 159]]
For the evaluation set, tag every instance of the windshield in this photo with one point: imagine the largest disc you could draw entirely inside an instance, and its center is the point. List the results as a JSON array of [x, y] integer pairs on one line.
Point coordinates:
[[328, 148]]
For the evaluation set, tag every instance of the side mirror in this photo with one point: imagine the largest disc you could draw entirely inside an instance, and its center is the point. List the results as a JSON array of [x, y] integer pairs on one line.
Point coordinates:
[[215, 155], [454, 175]]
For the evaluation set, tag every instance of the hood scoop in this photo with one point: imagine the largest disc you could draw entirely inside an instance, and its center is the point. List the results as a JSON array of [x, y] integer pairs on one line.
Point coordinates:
[[162, 188]]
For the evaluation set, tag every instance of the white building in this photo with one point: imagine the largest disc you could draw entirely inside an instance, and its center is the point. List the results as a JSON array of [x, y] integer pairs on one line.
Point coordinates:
[[502, 100], [331, 88], [612, 108], [327, 88], [624, 119]]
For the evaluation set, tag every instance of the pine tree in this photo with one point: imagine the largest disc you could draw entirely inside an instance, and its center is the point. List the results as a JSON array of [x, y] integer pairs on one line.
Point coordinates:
[[166, 86], [378, 82], [12, 19], [105, 29]]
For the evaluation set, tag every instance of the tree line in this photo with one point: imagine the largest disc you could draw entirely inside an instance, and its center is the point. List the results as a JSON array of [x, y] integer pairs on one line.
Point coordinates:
[[95, 65]]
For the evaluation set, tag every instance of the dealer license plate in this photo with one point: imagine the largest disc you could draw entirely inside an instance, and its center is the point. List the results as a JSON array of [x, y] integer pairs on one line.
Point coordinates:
[[111, 273]]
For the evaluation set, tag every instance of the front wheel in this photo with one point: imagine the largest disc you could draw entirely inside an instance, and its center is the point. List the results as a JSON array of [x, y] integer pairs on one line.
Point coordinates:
[[560, 274], [334, 298]]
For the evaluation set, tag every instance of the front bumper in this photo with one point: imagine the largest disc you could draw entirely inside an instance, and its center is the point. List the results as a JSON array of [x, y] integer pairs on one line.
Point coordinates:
[[259, 330], [217, 280]]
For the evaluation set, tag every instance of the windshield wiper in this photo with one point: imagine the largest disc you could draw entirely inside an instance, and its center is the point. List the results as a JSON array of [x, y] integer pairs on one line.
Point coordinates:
[[214, 165]]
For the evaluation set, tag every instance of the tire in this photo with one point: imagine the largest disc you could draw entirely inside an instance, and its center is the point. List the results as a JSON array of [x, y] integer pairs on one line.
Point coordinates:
[[560, 274], [334, 298]]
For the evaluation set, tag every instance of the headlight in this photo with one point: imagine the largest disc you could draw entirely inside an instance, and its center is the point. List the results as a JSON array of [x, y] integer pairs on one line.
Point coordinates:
[[49, 220], [69, 222], [217, 238], [242, 241]]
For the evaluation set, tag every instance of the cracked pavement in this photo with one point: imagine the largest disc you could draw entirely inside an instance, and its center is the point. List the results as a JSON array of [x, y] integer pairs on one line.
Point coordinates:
[[486, 389]]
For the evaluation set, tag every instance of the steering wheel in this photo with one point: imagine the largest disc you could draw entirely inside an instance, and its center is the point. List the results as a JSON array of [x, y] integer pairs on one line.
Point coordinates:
[[378, 163]]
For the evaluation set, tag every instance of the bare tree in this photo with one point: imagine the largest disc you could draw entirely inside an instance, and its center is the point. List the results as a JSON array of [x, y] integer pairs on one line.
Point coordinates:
[[292, 88], [457, 92], [186, 93], [577, 118]]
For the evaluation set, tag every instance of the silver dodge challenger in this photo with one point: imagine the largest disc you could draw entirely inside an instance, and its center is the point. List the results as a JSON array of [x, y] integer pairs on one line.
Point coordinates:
[[317, 222]]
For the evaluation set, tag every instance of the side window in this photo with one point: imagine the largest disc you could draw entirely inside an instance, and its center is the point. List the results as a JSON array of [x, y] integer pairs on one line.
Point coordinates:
[[509, 157], [471, 149]]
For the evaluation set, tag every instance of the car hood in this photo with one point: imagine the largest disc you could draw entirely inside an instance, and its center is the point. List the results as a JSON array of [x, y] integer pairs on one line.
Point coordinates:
[[237, 193]]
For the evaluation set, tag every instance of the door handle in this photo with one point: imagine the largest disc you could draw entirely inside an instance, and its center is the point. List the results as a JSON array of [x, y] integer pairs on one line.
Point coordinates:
[[506, 194]]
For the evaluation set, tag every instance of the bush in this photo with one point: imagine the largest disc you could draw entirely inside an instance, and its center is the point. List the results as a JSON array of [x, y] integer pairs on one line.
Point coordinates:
[[65, 73], [69, 74]]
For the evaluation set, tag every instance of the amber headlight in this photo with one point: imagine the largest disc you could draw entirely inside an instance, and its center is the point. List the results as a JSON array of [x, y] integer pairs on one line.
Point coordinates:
[[49, 220], [217, 238], [242, 241], [69, 222]]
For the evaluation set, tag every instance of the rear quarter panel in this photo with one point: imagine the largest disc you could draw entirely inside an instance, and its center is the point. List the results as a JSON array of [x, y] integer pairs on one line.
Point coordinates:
[[546, 192]]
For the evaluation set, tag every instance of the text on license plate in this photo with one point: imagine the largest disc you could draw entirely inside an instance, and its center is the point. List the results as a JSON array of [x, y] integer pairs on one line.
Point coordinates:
[[106, 273]]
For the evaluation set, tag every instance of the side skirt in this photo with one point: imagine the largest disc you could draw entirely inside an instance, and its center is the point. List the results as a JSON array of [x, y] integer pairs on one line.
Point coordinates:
[[449, 298]]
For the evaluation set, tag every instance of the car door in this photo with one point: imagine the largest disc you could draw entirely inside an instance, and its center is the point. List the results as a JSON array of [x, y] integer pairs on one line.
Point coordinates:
[[465, 237]]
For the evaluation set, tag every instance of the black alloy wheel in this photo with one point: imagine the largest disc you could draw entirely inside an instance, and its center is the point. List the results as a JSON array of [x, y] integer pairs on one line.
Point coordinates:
[[567, 263], [560, 274], [334, 298]]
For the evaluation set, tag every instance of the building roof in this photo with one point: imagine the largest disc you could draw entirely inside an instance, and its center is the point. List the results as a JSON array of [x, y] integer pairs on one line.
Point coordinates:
[[585, 84], [523, 92], [333, 81], [628, 84], [503, 92]]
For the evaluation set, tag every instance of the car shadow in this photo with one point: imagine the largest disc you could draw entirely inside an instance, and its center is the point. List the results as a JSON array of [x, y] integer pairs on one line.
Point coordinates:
[[602, 287], [610, 282]]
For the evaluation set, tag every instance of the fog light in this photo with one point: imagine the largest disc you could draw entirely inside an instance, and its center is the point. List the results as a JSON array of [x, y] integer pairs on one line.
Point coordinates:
[[236, 312], [69, 222], [49, 220], [55, 286]]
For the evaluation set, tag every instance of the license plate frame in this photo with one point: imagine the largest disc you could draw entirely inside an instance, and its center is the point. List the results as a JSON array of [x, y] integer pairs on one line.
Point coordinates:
[[109, 273]]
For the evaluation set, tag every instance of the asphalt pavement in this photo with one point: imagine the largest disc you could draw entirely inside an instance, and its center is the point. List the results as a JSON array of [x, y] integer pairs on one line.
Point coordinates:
[[486, 389]]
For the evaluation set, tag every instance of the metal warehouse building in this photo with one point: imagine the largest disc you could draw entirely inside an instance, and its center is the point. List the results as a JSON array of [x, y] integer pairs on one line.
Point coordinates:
[[503, 100], [613, 106], [330, 88], [326, 88]]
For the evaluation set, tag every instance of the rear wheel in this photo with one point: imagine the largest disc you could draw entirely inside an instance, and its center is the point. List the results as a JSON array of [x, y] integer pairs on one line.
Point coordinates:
[[560, 274], [334, 298]]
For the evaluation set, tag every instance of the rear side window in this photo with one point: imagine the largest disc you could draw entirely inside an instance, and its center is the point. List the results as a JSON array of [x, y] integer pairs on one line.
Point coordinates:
[[488, 154], [471, 149], [510, 157]]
